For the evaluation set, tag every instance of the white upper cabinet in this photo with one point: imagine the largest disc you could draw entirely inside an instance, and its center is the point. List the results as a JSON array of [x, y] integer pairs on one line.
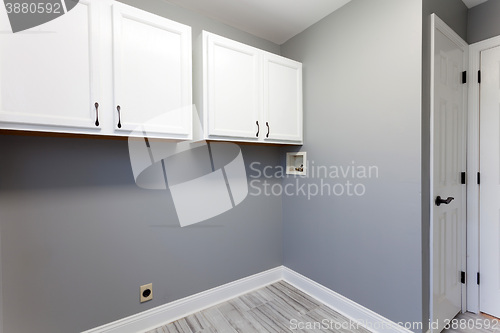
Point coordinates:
[[48, 73], [102, 68], [249, 94], [232, 74], [151, 73], [282, 98]]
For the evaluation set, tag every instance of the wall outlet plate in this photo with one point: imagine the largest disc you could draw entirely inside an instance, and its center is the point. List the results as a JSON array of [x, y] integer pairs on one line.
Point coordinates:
[[146, 292], [296, 163]]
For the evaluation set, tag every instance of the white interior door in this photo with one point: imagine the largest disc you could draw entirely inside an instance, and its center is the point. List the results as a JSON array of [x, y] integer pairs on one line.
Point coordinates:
[[151, 73], [490, 182], [448, 212], [48, 73]]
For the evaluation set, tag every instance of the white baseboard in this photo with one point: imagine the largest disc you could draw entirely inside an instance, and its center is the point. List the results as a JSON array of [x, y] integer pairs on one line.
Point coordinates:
[[164, 314], [167, 313], [346, 307]]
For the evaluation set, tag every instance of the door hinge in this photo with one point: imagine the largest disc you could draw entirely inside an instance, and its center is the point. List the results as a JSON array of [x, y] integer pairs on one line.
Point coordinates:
[[478, 278], [462, 178], [479, 76], [464, 77], [462, 277], [478, 178]]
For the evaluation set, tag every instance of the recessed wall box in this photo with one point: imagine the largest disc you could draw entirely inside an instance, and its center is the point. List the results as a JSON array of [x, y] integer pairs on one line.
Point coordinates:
[[296, 163]]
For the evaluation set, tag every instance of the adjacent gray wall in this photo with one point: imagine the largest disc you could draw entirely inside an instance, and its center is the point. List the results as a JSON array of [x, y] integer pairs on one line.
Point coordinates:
[[484, 21], [362, 103], [78, 237], [454, 13]]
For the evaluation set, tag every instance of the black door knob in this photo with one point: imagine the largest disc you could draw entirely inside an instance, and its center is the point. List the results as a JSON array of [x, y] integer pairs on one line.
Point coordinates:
[[446, 201]]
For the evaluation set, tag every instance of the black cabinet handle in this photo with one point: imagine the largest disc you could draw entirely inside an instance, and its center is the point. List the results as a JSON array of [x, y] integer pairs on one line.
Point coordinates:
[[96, 113], [119, 116], [258, 129], [267, 124], [440, 201]]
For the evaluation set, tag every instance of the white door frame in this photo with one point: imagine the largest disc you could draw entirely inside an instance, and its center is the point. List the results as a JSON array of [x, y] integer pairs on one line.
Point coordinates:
[[472, 170], [439, 25]]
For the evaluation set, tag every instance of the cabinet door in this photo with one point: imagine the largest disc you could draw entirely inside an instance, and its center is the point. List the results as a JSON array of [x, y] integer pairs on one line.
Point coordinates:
[[48, 73], [282, 98], [232, 88], [151, 73]]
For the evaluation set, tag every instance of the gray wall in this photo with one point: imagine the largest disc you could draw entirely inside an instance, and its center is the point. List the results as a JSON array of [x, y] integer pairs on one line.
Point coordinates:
[[362, 103], [454, 13], [78, 237], [484, 21]]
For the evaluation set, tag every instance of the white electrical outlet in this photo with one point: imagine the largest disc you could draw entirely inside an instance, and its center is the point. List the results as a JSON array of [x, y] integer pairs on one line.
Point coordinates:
[[146, 292]]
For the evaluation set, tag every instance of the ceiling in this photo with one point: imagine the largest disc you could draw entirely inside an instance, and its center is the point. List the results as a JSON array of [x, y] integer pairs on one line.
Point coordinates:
[[472, 3], [274, 20]]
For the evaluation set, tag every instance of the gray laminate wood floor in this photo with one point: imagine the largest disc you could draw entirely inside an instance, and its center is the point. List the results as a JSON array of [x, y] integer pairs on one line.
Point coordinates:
[[473, 323], [276, 308]]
